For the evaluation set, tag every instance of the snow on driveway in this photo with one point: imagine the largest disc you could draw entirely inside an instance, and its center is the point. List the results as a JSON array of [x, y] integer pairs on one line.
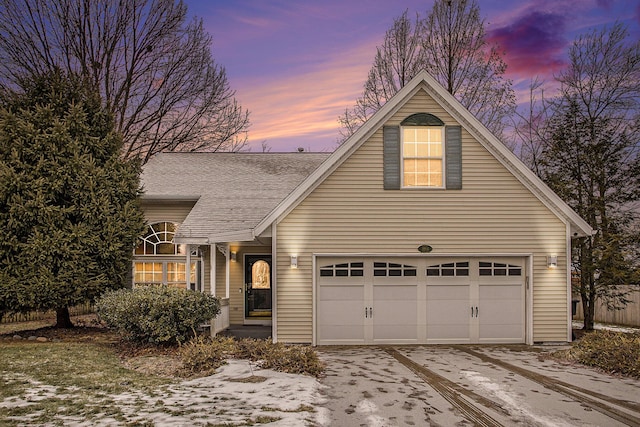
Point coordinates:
[[513, 402]]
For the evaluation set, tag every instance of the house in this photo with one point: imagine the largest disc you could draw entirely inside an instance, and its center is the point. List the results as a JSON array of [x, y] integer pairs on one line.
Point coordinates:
[[421, 228]]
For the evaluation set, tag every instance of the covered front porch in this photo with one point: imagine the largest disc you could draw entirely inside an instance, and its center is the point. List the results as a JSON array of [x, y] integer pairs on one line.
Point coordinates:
[[241, 275]]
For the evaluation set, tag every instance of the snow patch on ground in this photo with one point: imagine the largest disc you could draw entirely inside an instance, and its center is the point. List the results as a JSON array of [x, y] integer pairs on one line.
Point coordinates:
[[578, 324], [36, 392], [369, 408], [229, 396]]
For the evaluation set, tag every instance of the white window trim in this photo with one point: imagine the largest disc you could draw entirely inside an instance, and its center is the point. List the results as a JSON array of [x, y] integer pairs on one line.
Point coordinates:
[[198, 262], [442, 158], [184, 258]]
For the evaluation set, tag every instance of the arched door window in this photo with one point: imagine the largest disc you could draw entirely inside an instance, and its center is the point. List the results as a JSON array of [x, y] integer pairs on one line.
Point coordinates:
[[261, 275]]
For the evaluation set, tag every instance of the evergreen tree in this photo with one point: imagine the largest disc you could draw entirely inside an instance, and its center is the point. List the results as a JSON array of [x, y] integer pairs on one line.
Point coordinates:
[[69, 205], [584, 145], [592, 164]]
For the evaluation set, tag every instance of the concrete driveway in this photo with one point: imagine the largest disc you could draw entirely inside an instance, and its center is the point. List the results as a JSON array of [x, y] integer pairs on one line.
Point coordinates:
[[470, 385]]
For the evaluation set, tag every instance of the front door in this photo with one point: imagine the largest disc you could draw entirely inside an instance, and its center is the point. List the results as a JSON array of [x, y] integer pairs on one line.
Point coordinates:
[[257, 273]]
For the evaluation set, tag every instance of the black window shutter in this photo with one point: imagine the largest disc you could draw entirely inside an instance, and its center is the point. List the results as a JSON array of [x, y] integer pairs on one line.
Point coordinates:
[[391, 157], [453, 156]]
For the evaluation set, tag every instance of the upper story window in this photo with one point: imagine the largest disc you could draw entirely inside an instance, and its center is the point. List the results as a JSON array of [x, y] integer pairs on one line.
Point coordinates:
[[158, 240], [422, 156], [422, 151]]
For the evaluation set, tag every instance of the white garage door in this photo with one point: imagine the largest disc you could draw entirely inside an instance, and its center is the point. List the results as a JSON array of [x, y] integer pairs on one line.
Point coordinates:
[[419, 300]]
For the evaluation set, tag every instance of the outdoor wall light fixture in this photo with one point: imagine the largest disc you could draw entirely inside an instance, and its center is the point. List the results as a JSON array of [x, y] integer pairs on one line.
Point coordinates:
[[552, 261], [234, 256], [294, 261]]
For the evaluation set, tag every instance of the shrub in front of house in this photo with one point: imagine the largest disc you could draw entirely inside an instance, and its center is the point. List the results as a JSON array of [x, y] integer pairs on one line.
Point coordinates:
[[156, 314], [611, 351], [202, 356]]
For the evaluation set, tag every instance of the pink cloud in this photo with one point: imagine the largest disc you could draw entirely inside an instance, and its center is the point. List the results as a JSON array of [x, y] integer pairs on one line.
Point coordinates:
[[308, 103]]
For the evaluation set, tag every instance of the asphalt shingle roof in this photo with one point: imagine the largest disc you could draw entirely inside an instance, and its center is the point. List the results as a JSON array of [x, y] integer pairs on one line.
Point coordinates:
[[234, 191]]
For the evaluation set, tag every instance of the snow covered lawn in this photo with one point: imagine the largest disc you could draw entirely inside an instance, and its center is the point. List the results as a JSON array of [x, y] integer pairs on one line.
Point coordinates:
[[238, 394]]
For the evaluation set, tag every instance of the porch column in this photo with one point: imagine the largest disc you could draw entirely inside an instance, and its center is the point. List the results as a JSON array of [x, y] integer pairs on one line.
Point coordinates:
[[227, 255], [188, 268], [224, 249], [212, 259]]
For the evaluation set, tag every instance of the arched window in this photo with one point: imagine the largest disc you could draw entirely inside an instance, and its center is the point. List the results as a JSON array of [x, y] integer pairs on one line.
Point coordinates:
[[159, 261], [158, 240], [422, 151]]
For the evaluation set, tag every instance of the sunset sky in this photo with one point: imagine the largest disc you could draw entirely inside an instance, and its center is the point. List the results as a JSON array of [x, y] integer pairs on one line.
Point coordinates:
[[296, 65]]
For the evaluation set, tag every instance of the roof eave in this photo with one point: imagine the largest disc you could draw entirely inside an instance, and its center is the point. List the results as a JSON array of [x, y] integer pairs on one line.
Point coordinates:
[[184, 240], [170, 197]]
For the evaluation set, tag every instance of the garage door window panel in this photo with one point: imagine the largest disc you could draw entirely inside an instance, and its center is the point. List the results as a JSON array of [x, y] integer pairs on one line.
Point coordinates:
[[353, 269], [389, 269], [449, 269], [499, 269]]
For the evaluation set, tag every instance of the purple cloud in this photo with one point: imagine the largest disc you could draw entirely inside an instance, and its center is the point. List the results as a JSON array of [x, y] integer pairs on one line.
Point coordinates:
[[534, 44], [605, 4]]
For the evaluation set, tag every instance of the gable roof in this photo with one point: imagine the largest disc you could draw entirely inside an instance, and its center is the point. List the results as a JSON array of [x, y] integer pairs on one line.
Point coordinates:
[[424, 81], [233, 191]]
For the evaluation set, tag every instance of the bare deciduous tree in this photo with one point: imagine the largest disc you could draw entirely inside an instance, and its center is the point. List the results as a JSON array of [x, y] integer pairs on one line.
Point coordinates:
[[154, 68], [459, 57], [529, 127], [584, 145], [450, 44], [397, 61]]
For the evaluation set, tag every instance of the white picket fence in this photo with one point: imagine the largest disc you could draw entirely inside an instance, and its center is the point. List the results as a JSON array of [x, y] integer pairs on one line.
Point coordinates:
[[629, 316]]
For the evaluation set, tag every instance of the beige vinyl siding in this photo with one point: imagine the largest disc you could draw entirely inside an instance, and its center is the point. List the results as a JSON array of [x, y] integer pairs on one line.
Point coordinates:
[[157, 211], [351, 213]]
